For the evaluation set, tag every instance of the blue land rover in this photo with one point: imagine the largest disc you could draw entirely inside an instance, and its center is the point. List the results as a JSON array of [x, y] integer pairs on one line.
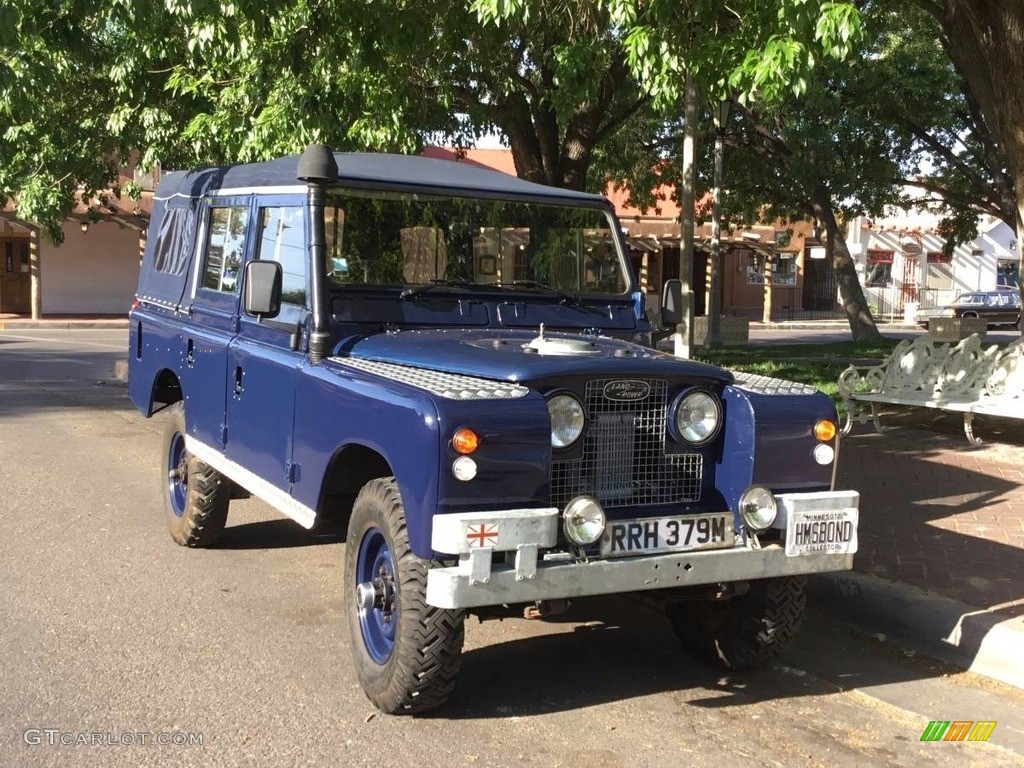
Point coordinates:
[[452, 363]]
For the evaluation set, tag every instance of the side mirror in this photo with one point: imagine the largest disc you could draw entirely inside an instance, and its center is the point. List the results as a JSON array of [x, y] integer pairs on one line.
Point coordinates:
[[262, 295], [672, 304]]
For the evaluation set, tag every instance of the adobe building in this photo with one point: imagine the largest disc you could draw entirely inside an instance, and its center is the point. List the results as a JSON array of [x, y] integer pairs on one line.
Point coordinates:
[[903, 267], [93, 272]]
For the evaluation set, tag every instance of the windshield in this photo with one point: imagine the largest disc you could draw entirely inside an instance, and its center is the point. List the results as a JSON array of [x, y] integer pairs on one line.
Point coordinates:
[[407, 239]]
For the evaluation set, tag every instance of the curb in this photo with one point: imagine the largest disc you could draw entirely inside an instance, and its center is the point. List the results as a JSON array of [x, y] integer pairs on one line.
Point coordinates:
[[985, 641]]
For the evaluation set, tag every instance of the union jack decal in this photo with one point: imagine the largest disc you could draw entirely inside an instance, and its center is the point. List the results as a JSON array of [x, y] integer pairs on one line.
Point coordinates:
[[482, 535]]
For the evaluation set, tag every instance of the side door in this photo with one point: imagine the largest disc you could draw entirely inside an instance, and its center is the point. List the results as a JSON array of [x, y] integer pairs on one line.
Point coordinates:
[[991, 311], [214, 317], [263, 359]]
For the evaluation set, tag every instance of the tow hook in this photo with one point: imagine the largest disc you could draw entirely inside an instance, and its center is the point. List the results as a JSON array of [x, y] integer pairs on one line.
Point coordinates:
[[544, 608]]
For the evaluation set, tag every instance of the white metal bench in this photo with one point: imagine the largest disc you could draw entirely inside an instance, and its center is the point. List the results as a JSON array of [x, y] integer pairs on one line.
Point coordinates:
[[967, 378]]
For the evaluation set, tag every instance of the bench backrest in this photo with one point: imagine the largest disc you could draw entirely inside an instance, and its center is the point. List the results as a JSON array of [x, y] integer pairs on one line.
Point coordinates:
[[1006, 377], [967, 368], [914, 366], [935, 368]]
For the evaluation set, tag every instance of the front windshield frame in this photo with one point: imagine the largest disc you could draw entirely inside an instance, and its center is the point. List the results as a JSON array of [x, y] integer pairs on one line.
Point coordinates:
[[464, 242]]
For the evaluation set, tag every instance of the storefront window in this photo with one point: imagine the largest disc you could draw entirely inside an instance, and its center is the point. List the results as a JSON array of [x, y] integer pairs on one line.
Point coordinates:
[[879, 270], [785, 270]]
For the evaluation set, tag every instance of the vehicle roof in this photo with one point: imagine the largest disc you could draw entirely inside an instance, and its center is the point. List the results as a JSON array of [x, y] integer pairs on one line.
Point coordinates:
[[995, 292], [362, 169]]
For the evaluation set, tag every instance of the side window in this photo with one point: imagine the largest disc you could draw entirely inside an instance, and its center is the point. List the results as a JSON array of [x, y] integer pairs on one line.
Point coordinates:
[[283, 239], [172, 241], [225, 249]]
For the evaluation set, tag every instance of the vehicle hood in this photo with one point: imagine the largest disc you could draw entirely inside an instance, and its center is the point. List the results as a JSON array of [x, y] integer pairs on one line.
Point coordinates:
[[519, 356]]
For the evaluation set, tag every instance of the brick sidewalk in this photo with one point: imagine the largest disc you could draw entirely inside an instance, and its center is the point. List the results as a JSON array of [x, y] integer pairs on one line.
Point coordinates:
[[938, 514]]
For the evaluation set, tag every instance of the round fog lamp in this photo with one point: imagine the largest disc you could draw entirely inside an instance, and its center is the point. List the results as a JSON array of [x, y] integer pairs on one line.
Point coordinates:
[[566, 420], [824, 454], [464, 468], [758, 508], [583, 521]]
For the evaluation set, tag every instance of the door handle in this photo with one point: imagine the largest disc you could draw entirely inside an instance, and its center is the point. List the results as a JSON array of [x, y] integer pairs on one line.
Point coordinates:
[[238, 380]]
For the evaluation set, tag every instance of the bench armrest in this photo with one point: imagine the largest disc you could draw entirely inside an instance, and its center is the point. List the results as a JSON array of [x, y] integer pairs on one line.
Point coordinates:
[[861, 379]]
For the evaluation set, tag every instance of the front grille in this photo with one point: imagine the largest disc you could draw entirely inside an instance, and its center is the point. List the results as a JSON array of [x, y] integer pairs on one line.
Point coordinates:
[[623, 463]]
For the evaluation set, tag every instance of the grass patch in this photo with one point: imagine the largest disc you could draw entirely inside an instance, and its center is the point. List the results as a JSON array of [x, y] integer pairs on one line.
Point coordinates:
[[816, 364]]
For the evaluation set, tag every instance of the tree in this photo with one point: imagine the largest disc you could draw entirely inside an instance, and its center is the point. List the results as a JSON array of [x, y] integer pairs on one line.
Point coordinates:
[[856, 138], [985, 40], [54, 101], [213, 81]]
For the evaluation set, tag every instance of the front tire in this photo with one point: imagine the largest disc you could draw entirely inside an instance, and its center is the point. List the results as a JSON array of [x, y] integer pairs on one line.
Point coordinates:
[[407, 654], [196, 496], [746, 631]]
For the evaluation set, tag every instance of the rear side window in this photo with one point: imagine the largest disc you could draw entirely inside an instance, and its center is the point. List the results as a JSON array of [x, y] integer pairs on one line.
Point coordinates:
[[225, 248], [171, 250], [283, 239]]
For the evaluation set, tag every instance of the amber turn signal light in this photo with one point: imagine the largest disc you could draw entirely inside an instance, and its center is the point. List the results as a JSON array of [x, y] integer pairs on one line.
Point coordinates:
[[465, 441], [825, 430]]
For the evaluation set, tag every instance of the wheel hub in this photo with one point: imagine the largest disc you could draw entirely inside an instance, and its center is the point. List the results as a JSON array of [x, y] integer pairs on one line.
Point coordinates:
[[180, 473], [378, 594]]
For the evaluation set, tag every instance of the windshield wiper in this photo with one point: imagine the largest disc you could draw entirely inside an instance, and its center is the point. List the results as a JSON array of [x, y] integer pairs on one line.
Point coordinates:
[[566, 298], [412, 293]]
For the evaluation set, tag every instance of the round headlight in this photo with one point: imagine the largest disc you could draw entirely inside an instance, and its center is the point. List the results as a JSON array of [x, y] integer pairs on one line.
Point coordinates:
[[758, 508], [697, 417], [583, 521], [566, 420]]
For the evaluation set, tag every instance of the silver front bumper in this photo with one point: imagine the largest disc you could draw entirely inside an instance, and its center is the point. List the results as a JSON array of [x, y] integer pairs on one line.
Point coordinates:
[[477, 582], [451, 587]]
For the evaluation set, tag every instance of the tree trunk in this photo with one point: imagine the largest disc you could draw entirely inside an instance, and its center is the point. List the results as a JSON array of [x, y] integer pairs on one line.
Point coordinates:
[[985, 40], [862, 324]]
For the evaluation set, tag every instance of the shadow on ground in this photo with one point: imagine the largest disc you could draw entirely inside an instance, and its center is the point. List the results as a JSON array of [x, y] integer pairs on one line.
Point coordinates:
[[280, 534], [619, 649]]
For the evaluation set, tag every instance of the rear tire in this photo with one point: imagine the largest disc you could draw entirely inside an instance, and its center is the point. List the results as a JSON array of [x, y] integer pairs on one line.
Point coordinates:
[[407, 654], [745, 632], [196, 496]]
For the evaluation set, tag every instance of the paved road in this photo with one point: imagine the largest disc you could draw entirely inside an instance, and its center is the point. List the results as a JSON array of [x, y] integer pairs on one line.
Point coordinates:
[[108, 627], [60, 355]]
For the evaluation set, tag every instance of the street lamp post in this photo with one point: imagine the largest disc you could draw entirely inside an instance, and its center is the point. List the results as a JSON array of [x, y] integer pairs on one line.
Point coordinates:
[[721, 114]]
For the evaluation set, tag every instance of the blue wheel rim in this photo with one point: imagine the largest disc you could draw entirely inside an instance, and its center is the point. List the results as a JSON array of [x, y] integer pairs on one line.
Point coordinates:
[[378, 624], [177, 486]]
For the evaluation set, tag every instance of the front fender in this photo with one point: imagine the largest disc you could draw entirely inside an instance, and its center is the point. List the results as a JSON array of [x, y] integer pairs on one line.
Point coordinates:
[[769, 438], [335, 407]]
